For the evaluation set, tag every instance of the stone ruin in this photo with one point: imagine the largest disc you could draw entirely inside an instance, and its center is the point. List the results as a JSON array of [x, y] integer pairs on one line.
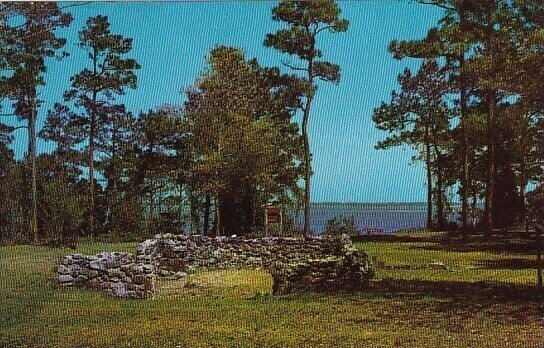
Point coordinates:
[[296, 264], [115, 273]]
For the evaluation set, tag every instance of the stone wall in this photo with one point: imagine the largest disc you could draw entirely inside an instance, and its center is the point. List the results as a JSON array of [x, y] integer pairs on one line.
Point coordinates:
[[296, 264], [115, 273], [349, 271], [180, 253]]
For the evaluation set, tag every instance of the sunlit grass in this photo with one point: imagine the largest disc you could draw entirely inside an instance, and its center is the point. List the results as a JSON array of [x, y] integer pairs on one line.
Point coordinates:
[[235, 308]]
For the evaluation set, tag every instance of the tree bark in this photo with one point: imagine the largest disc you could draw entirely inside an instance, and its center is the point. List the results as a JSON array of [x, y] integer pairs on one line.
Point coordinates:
[[464, 115], [91, 147], [217, 215], [307, 167], [207, 203], [490, 124], [523, 174], [490, 180], [474, 207], [440, 191], [91, 166], [33, 171], [429, 179], [539, 255], [464, 148], [307, 152]]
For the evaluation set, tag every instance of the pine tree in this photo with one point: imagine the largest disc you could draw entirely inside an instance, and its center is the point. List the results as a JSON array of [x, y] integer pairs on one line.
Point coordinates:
[[26, 45], [419, 116], [94, 88], [306, 21]]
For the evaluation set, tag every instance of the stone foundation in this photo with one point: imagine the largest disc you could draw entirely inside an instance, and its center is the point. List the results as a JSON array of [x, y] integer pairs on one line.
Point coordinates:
[[114, 273], [296, 264], [348, 272]]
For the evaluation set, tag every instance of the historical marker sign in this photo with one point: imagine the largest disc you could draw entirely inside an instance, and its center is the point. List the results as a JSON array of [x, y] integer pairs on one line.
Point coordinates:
[[273, 215]]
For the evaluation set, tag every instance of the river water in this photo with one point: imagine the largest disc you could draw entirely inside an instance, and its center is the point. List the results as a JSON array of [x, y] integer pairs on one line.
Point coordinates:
[[373, 217]]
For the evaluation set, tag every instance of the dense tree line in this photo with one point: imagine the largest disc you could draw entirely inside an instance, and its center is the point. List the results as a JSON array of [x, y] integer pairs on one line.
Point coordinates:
[[475, 110], [225, 154]]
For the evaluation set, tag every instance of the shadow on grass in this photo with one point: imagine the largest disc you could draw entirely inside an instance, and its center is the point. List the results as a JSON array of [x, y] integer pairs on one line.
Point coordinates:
[[509, 264], [520, 243], [392, 238], [498, 244], [462, 300], [475, 292]]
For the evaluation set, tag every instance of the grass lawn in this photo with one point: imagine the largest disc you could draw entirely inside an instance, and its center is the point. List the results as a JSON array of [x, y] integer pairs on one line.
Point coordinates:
[[429, 292]]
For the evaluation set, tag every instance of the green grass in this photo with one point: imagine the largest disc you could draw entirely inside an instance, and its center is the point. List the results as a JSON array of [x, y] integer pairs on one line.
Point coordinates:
[[480, 299]]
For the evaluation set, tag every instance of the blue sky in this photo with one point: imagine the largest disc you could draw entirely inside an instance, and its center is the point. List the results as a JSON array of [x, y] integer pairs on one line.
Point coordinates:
[[171, 40]]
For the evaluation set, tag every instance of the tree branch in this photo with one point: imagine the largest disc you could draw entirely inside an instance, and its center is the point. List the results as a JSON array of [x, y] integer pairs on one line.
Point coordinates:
[[293, 67], [434, 3], [324, 28]]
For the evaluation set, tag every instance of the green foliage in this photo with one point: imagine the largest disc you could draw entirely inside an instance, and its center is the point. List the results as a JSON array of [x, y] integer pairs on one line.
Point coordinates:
[[245, 147], [27, 39], [420, 116], [488, 48], [61, 219], [306, 19]]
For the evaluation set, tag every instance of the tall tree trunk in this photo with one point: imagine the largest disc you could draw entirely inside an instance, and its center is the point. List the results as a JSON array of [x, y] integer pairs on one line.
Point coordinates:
[[440, 191], [250, 209], [464, 147], [538, 231], [523, 194], [490, 124], [33, 171], [490, 180], [91, 147], [429, 179], [464, 135], [207, 203], [523, 179], [474, 207], [217, 215], [307, 170], [194, 212], [113, 178], [91, 166], [307, 152]]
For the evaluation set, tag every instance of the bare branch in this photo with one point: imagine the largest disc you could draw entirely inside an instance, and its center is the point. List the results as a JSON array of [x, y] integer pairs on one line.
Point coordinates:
[[435, 3], [292, 66], [324, 28]]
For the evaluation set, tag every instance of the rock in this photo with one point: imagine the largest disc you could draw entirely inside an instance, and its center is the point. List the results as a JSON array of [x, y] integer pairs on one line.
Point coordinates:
[[98, 264], [80, 279], [92, 274], [65, 278], [139, 279], [119, 289], [62, 269]]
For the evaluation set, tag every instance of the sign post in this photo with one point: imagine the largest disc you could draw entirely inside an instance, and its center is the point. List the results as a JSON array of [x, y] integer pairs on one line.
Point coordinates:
[[273, 215]]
